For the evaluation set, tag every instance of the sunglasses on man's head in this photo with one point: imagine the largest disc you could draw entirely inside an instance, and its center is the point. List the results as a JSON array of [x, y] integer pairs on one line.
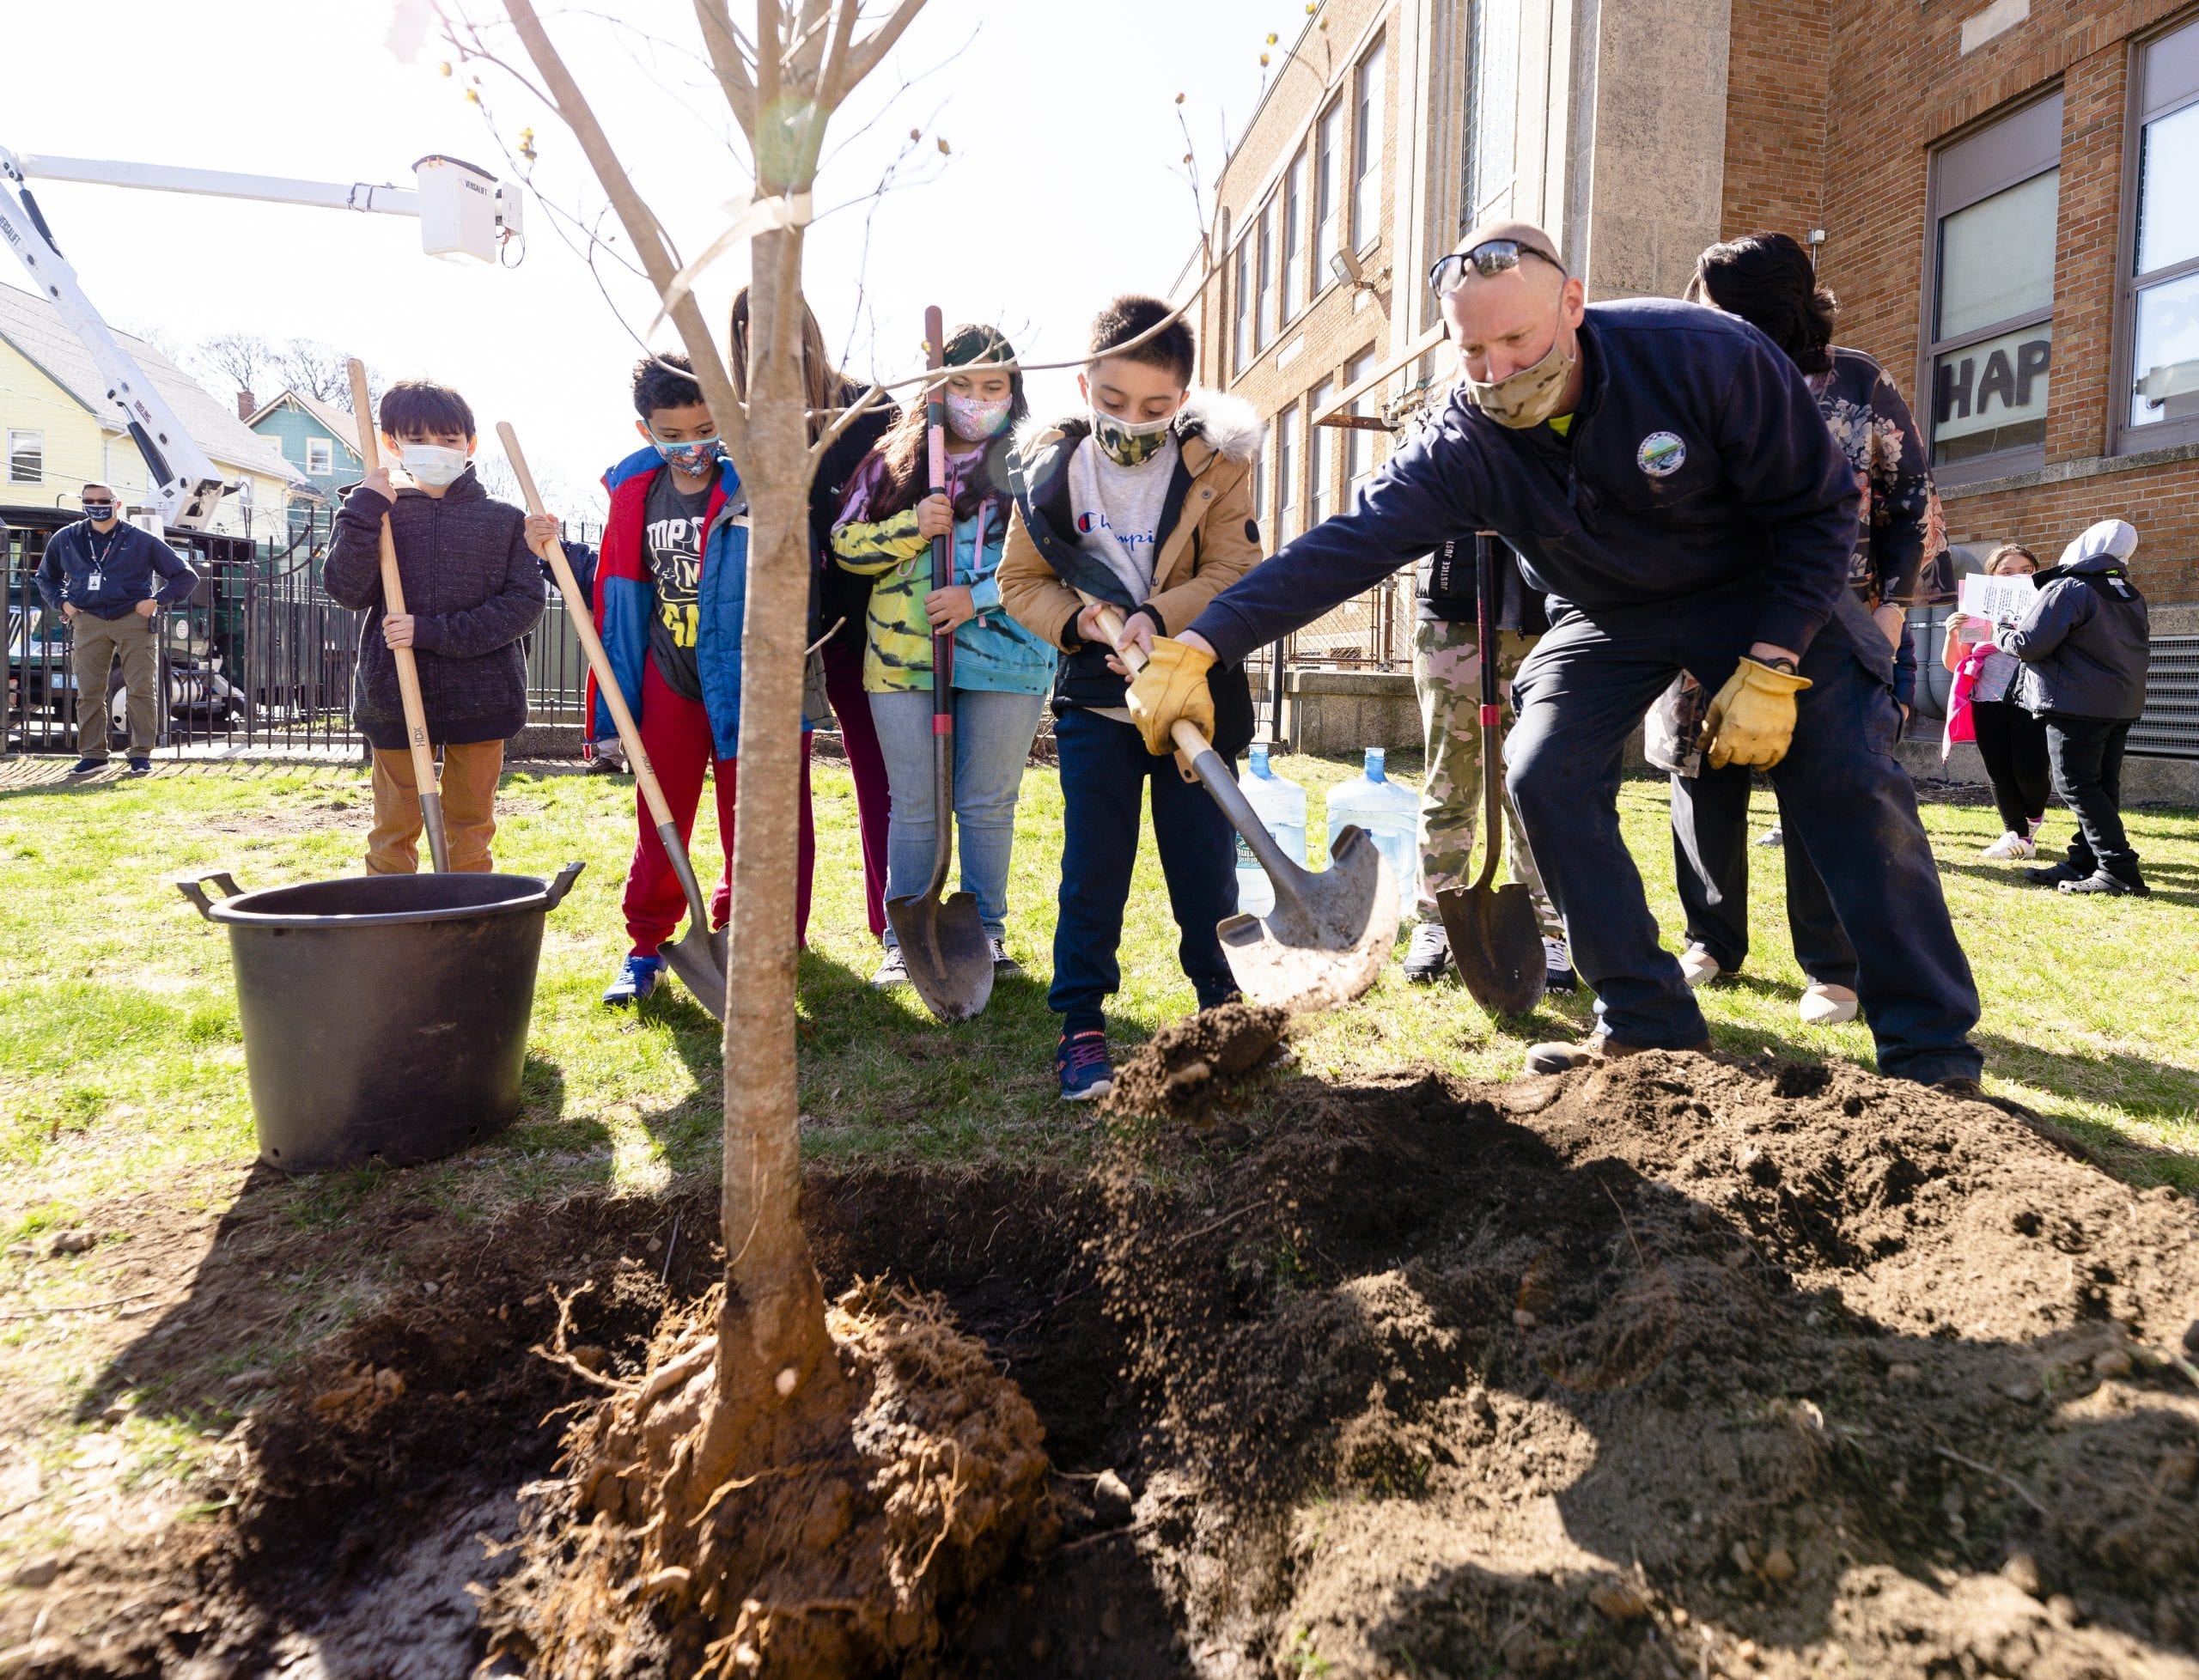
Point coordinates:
[[1489, 259]]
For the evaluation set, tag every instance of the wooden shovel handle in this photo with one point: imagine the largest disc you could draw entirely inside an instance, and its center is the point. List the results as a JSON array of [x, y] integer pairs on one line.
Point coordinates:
[[1189, 741], [606, 680], [408, 667]]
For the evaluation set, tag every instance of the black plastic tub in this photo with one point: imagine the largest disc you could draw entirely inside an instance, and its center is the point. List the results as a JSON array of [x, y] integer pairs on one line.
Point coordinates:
[[385, 1016]]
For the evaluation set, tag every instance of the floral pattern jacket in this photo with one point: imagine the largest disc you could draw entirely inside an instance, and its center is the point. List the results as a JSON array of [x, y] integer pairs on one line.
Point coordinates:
[[1901, 540]]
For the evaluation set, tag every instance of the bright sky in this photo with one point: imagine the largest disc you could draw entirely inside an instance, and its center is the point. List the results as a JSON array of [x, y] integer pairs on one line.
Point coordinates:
[[1065, 183]]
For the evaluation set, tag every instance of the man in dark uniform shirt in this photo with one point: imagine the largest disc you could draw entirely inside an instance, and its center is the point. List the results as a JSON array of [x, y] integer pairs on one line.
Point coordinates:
[[1663, 472]]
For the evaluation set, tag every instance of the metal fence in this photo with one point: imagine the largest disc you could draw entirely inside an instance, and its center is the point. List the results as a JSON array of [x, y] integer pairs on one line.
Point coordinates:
[[259, 660]]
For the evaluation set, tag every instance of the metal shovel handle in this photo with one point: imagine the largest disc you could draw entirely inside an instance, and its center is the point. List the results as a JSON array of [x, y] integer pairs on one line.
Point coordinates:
[[942, 646], [1492, 795], [552, 555]]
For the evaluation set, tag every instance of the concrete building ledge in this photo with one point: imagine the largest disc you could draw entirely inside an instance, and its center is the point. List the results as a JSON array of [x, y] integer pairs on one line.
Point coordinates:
[[1376, 683], [2145, 781], [2063, 473]]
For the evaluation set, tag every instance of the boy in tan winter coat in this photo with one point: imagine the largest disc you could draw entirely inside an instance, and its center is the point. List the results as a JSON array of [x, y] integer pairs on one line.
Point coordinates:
[[1144, 502]]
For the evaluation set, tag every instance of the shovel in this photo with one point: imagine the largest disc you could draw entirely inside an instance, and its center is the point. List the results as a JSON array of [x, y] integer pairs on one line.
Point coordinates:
[[408, 667], [1495, 938], [697, 956], [943, 943], [1329, 935]]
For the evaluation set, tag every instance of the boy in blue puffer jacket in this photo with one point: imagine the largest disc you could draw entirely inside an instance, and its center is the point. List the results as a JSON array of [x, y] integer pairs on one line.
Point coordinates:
[[671, 595]]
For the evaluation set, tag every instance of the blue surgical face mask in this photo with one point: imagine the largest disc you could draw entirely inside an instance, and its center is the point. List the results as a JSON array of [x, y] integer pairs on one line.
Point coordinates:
[[695, 459]]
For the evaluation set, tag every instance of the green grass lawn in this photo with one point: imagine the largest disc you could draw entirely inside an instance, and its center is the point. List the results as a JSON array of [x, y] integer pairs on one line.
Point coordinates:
[[124, 1066]]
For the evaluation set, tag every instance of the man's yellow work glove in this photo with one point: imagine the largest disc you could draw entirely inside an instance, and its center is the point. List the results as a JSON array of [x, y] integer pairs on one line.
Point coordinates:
[[1751, 719], [1172, 686]]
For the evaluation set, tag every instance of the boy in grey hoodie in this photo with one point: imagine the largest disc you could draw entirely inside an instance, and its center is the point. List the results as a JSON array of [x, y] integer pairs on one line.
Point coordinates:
[[2084, 645]]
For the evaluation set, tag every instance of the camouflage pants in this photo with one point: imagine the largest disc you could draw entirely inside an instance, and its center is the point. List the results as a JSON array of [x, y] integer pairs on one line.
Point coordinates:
[[1446, 676]]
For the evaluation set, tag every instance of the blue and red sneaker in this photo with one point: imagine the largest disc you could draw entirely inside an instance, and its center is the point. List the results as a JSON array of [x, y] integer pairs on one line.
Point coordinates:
[[637, 978], [1081, 1064]]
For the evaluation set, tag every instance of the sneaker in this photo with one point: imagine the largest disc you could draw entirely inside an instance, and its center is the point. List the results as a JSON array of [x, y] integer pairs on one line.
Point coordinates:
[[893, 972], [1081, 1065], [1557, 965], [2113, 885], [1430, 953], [2012, 845], [87, 767], [1698, 967], [1002, 963], [637, 978], [1597, 1046], [2053, 875], [1772, 837], [1826, 1005], [141, 767]]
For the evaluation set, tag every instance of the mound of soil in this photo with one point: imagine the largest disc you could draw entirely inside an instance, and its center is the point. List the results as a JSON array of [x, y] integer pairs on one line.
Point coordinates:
[[1182, 1071], [1665, 1367], [1672, 1368]]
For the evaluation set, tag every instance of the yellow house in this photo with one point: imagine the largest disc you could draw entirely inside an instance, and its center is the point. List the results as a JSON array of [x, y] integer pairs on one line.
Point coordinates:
[[60, 431]]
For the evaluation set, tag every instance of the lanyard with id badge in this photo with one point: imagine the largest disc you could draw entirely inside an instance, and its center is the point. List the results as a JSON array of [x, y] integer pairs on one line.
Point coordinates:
[[95, 578]]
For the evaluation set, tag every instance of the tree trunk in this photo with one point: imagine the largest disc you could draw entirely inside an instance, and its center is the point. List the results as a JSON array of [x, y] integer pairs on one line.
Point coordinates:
[[774, 1321]]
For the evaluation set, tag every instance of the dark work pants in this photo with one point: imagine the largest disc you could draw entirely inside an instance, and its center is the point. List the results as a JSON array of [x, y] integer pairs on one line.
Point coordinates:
[[1710, 860], [2087, 753], [1105, 771], [2012, 744], [1842, 796]]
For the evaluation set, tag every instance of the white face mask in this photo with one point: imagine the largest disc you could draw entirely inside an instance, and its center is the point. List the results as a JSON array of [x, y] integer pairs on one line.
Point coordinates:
[[432, 464]]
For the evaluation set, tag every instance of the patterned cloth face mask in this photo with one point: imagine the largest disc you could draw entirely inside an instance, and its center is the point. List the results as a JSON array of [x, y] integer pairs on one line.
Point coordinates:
[[1130, 443], [974, 419], [1527, 397], [694, 459]]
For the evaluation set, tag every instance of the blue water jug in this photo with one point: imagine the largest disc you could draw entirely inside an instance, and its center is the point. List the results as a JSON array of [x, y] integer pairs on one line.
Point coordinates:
[[1281, 805], [1391, 816]]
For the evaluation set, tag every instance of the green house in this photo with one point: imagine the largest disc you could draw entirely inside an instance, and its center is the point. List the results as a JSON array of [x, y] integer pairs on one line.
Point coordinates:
[[316, 437]]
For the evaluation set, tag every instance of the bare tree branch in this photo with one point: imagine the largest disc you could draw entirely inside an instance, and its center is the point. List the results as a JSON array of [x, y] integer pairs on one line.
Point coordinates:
[[658, 259], [725, 45], [864, 56], [829, 91]]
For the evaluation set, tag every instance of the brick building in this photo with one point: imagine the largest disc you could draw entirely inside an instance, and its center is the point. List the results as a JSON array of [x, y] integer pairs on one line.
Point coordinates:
[[2001, 192]]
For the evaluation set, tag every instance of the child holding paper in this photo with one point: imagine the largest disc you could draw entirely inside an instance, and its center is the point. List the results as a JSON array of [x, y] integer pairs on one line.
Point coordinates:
[[2012, 742]]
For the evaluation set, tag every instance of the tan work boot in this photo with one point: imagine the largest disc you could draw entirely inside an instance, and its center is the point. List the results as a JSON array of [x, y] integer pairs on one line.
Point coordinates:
[[1597, 1046]]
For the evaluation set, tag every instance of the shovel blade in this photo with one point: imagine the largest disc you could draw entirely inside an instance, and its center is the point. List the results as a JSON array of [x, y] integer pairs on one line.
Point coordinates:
[[1497, 944], [949, 958], [1327, 938], [699, 958]]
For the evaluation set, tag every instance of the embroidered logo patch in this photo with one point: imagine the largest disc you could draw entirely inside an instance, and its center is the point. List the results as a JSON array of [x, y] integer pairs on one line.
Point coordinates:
[[1661, 455]]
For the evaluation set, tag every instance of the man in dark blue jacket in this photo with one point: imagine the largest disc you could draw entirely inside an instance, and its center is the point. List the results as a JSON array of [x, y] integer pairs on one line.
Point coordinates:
[[1663, 473], [109, 579]]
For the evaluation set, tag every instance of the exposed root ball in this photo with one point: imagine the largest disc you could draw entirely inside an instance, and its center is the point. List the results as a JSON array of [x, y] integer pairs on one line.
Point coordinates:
[[1181, 1071], [832, 1554]]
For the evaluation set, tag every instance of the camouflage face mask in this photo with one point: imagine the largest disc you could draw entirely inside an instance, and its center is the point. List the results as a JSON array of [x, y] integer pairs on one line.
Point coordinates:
[[1130, 443], [1529, 397]]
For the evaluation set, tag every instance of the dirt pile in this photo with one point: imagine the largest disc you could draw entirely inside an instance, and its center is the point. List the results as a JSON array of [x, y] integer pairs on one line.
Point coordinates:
[[1184, 1069], [1671, 1366]]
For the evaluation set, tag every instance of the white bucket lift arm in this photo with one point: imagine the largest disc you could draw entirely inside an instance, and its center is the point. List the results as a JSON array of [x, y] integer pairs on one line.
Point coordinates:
[[464, 213], [186, 487]]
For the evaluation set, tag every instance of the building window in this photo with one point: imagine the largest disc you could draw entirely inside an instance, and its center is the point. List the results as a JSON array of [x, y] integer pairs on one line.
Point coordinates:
[[1316, 472], [1360, 455], [1286, 475], [1488, 160], [1291, 292], [1994, 200], [2163, 297], [25, 458], [1264, 316], [1328, 166], [1366, 151], [1241, 302], [320, 457]]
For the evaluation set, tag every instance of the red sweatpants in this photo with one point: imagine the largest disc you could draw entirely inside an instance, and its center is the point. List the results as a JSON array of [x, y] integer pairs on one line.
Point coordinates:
[[676, 732]]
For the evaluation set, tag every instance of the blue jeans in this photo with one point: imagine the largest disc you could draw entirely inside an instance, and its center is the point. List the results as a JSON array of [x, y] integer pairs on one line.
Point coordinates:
[[1105, 771], [1844, 799], [992, 744]]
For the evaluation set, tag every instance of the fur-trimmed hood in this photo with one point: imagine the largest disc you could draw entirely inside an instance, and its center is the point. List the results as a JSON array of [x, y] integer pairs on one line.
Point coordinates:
[[1227, 426]]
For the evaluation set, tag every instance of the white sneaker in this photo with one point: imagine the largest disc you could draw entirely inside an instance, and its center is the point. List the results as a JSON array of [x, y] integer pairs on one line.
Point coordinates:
[[1826, 1006], [1698, 967], [1002, 963], [1774, 835], [893, 972], [2012, 845]]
